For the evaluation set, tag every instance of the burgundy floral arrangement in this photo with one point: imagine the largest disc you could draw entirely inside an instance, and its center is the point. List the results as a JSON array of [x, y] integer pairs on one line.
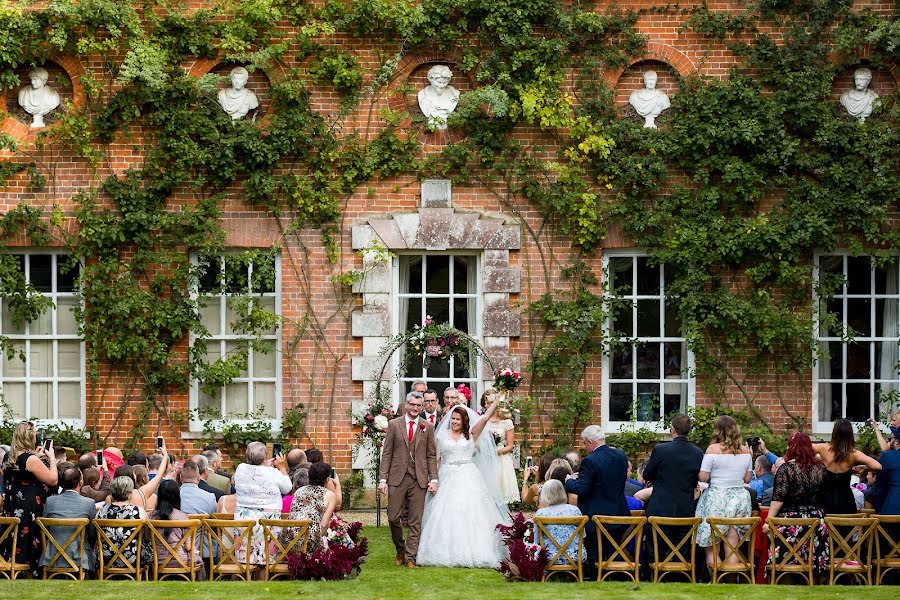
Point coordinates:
[[342, 558], [527, 560]]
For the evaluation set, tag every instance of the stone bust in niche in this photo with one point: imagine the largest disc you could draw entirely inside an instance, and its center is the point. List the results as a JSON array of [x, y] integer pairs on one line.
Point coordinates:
[[438, 99], [860, 101], [648, 101], [38, 99], [237, 100]]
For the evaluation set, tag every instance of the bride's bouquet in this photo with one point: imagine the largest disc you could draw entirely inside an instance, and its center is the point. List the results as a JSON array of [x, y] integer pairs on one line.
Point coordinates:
[[506, 380], [527, 559]]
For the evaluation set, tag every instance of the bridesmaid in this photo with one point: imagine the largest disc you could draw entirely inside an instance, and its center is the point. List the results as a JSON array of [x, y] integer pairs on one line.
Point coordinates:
[[503, 430]]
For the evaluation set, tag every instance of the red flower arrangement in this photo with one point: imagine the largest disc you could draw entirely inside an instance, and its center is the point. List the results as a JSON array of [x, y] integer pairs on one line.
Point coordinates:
[[506, 380], [527, 560], [341, 559], [464, 390]]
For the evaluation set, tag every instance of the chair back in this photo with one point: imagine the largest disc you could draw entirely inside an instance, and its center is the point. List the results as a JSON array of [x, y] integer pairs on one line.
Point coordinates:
[[62, 563], [276, 562], [679, 556], [798, 556], [619, 551], [175, 565], [887, 546], [221, 516], [118, 564], [637, 513], [233, 539], [850, 545], [738, 556], [567, 564], [9, 536], [867, 511]]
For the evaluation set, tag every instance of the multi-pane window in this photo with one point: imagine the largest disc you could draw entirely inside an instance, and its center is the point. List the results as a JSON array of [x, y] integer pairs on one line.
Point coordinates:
[[649, 375], [856, 374], [44, 379], [234, 290], [446, 288]]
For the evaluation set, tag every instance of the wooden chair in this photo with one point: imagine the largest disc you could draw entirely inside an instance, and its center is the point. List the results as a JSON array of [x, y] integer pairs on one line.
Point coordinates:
[[850, 544], [119, 565], [198, 516], [675, 560], [276, 565], [859, 515], [619, 559], [868, 511], [742, 551], [792, 561], [637, 513], [71, 566], [174, 565], [887, 546], [566, 564], [221, 516], [230, 536], [9, 535]]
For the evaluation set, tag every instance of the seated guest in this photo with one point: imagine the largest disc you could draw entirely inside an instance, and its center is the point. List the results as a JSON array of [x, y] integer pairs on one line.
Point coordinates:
[[632, 486], [142, 493], [168, 508], [762, 477], [213, 477], [560, 471], [296, 459], [314, 455], [153, 463], [227, 504], [142, 478], [532, 492], [554, 502], [203, 468], [137, 459], [886, 496], [217, 466], [314, 502], [299, 479], [574, 459], [194, 500], [70, 504], [260, 484], [121, 507]]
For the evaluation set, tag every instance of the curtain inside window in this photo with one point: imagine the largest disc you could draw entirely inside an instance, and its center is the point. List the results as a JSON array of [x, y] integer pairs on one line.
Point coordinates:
[[827, 263], [887, 367], [403, 304]]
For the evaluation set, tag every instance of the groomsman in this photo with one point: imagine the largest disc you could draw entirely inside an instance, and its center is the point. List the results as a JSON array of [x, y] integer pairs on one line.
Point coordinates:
[[451, 398], [431, 412]]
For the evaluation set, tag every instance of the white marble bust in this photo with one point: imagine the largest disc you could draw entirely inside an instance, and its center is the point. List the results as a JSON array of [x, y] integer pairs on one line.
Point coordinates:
[[237, 100], [860, 100], [648, 101], [440, 98], [38, 99]]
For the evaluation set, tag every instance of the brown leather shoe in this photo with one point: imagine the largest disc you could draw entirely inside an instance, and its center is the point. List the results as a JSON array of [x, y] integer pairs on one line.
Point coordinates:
[[411, 564], [399, 559]]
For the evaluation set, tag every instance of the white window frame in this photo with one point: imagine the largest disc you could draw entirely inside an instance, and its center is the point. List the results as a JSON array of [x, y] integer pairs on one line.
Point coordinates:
[[609, 425], [825, 427], [475, 372], [54, 379], [196, 424]]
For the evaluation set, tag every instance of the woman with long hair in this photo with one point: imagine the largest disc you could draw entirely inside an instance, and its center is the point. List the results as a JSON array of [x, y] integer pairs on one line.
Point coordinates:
[[839, 457], [797, 494], [168, 508], [727, 466], [504, 432], [531, 492]]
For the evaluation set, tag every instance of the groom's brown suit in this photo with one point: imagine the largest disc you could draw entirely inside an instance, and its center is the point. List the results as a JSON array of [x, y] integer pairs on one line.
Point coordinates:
[[407, 467]]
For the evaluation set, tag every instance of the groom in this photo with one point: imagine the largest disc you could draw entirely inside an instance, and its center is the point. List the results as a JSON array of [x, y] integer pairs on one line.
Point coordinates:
[[408, 468]]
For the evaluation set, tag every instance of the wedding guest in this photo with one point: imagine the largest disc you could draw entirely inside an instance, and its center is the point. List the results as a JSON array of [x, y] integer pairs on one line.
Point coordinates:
[[431, 410], [153, 463], [213, 476], [726, 467], [673, 469], [141, 479], [70, 504], [763, 478], [839, 457], [168, 508], [532, 492], [797, 494], [27, 481], [296, 459], [501, 427], [227, 504], [217, 467], [600, 483], [574, 459], [136, 458], [632, 486], [203, 470], [121, 507], [298, 480], [314, 455], [260, 484], [314, 502], [886, 495], [194, 500], [554, 504], [894, 425], [451, 398]]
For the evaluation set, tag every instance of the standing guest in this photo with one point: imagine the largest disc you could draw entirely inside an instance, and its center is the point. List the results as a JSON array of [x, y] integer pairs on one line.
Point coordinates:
[[839, 457], [27, 482], [894, 426], [799, 483], [501, 427], [260, 484], [122, 508], [431, 411], [203, 468], [451, 398], [674, 469], [314, 502], [153, 463], [726, 468], [419, 385], [532, 492], [554, 505], [168, 508], [213, 477], [763, 478], [70, 504], [886, 496], [194, 500], [600, 484], [574, 459]]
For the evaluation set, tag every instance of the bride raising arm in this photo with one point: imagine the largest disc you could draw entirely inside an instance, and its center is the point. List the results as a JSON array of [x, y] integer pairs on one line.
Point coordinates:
[[479, 425]]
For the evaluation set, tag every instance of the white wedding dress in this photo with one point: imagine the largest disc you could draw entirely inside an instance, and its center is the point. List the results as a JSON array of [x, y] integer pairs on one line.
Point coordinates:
[[459, 527]]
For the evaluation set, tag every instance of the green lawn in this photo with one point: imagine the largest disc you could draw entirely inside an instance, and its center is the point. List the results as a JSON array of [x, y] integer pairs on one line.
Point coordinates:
[[381, 579]]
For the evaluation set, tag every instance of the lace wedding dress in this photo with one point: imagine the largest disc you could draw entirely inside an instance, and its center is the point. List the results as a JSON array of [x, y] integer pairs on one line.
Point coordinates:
[[459, 528]]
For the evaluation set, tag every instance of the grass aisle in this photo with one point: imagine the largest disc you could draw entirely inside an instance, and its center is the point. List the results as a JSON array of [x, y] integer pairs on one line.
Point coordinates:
[[382, 579]]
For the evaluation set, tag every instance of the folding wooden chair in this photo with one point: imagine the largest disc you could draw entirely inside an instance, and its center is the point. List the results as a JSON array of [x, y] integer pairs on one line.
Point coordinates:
[[221, 516], [566, 563], [276, 562], [887, 546], [850, 544], [231, 536], [71, 566], [637, 513], [118, 565], [793, 559], [869, 512], [742, 551], [614, 555], [675, 560], [9, 534], [174, 565]]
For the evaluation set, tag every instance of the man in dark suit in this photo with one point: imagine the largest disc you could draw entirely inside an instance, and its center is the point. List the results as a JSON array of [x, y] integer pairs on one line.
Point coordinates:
[[600, 484]]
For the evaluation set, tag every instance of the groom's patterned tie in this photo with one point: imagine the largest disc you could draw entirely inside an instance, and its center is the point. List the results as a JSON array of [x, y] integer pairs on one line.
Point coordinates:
[[410, 431]]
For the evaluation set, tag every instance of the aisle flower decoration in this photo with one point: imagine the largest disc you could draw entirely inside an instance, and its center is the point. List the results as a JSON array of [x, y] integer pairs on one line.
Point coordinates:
[[506, 380], [341, 557], [373, 423], [527, 559]]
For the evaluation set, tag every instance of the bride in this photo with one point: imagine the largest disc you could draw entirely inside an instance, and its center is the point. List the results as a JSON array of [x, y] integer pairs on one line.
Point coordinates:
[[459, 527]]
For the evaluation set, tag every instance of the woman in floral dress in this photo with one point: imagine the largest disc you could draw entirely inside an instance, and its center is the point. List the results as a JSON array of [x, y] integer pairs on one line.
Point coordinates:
[[121, 508], [798, 495], [313, 502]]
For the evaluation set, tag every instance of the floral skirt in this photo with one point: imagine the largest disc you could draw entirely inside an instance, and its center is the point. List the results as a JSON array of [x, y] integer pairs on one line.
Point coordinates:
[[821, 553], [258, 551], [722, 502]]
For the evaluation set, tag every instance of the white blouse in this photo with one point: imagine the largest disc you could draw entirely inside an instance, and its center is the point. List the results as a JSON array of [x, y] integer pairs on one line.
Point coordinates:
[[726, 470], [259, 486]]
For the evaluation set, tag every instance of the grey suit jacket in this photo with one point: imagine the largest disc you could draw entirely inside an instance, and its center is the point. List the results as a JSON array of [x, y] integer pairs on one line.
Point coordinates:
[[70, 505]]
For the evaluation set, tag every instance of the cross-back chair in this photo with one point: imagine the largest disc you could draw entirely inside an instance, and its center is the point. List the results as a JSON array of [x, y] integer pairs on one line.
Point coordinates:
[[62, 562], [850, 545], [798, 556], [676, 554], [741, 551], [232, 537], [9, 535], [118, 564], [174, 565], [619, 542], [887, 546], [560, 561], [276, 563]]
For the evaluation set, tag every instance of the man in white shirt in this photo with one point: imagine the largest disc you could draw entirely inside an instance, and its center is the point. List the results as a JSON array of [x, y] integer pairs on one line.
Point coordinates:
[[431, 411]]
